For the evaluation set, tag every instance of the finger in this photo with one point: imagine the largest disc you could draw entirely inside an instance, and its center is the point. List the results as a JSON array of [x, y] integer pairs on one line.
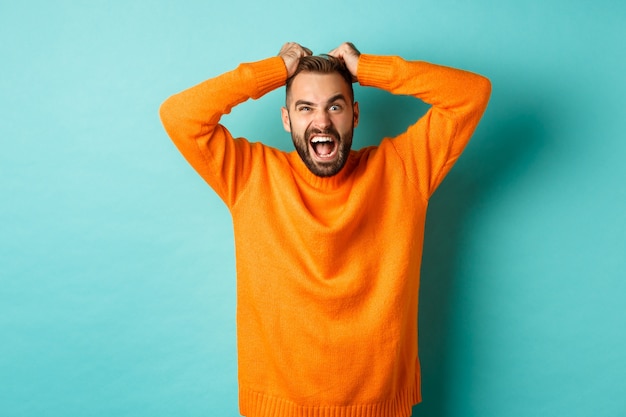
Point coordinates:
[[346, 48], [334, 53], [286, 48], [289, 46], [353, 48], [339, 51]]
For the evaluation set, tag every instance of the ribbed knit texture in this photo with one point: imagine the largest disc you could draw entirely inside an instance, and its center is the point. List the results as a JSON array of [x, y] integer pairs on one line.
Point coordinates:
[[328, 268]]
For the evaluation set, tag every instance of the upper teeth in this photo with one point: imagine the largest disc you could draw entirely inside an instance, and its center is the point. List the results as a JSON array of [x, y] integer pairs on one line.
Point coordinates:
[[319, 139]]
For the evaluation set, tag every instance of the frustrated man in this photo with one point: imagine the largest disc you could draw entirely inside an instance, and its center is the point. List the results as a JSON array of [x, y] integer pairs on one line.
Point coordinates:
[[328, 239]]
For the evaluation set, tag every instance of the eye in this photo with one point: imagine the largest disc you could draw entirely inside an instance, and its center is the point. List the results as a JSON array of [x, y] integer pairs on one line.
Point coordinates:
[[335, 107], [304, 108]]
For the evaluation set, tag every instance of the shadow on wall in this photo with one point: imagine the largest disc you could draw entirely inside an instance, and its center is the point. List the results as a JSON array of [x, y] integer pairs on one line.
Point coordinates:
[[506, 143], [510, 137]]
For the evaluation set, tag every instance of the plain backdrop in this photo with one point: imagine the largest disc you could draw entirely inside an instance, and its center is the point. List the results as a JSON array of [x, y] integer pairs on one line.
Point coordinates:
[[117, 261]]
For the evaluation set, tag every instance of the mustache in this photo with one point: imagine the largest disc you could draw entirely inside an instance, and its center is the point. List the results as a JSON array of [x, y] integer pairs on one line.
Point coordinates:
[[331, 131]]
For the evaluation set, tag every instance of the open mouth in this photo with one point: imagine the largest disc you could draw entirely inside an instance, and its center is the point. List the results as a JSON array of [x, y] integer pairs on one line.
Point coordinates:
[[324, 147]]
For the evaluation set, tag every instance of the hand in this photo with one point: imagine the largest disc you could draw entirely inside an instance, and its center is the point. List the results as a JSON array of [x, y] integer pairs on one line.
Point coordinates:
[[350, 56], [291, 53]]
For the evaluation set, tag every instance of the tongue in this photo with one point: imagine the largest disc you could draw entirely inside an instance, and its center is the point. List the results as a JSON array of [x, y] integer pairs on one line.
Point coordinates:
[[323, 148]]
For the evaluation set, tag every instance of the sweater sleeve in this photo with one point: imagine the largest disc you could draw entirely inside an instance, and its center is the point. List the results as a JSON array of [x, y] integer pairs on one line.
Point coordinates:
[[430, 147], [191, 119]]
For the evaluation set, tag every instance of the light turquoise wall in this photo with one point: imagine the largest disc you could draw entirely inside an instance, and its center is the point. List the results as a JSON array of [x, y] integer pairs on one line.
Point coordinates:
[[116, 261]]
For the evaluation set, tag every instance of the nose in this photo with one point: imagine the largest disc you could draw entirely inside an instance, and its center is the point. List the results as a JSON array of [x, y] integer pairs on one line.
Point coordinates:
[[322, 120]]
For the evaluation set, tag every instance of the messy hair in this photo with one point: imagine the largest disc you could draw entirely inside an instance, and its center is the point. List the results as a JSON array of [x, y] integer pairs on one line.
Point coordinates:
[[321, 64]]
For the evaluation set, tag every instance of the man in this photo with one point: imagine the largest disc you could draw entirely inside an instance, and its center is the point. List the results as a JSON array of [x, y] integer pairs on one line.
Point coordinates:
[[328, 240]]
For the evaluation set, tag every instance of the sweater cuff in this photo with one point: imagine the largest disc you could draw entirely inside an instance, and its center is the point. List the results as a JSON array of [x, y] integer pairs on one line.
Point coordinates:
[[269, 74], [375, 71]]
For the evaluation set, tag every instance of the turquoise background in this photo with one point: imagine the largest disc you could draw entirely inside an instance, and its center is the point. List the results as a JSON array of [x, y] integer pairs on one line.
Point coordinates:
[[117, 263]]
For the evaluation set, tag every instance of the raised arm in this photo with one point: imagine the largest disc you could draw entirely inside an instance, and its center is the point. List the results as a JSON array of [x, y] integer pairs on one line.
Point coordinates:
[[432, 145], [191, 118]]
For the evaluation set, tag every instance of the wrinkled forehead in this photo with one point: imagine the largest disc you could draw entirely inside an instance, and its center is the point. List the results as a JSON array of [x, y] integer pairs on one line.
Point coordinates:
[[317, 87]]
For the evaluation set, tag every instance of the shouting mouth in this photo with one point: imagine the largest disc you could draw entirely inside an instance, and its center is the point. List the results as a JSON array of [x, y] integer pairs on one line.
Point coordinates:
[[324, 147]]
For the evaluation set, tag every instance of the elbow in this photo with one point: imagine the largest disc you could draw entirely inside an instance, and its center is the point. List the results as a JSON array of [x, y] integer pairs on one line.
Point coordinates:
[[480, 92], [484, 89], [168, 114], [165, 112]]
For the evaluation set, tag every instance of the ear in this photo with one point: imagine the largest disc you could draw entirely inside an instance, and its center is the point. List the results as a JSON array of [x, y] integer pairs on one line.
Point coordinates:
[[284, 113], [355, 111]]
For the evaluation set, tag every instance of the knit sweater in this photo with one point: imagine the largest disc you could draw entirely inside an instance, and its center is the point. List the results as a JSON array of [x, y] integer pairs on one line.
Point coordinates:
[[328, 268]]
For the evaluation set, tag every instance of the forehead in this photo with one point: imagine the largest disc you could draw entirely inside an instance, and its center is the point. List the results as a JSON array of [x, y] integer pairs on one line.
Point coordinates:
[[317, 88]]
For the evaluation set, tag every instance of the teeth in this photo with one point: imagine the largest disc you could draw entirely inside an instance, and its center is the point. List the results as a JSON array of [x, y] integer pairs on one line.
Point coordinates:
[[321, 139]]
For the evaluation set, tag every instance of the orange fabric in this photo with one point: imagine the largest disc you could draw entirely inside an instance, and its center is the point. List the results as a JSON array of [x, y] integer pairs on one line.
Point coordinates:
[[328, 268]]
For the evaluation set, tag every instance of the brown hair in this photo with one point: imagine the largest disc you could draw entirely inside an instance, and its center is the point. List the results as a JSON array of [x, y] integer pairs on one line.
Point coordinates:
[[322, 64]]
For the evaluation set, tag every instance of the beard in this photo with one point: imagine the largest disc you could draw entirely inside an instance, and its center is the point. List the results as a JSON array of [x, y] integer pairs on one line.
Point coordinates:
[[342, 142]]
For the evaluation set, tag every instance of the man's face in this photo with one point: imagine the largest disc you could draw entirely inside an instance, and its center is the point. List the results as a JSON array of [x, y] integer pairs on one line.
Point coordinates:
[[321, 118]]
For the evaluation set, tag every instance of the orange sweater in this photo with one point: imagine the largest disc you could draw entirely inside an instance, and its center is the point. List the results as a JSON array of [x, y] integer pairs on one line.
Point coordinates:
[[328, 268]]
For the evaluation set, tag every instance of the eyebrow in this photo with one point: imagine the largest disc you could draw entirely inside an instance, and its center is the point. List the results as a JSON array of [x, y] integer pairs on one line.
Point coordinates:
[[333, 99]]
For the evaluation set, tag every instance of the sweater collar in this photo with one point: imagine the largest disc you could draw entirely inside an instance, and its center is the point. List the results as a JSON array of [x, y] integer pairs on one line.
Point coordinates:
[[321, 183]]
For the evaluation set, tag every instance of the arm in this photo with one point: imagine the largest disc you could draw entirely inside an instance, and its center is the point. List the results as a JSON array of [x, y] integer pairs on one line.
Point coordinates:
[[432, 145], [191, 119]]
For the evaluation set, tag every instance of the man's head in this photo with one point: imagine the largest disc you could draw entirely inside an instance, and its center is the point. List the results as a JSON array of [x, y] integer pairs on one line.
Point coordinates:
[[320, 113]]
